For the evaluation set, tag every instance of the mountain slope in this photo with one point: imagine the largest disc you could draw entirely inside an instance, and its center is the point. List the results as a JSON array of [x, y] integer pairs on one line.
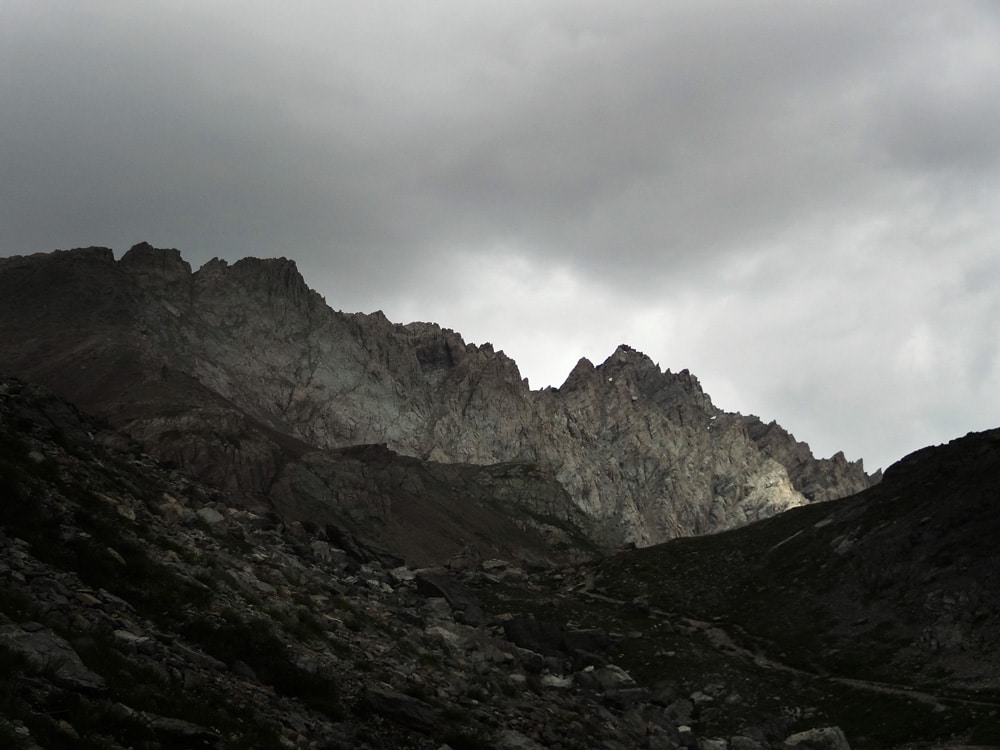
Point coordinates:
[[141, 609], [900, 579], [879, 613], [250, 353]]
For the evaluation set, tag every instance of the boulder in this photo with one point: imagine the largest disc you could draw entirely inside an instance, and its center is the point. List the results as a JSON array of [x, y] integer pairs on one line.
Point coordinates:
[[48, 652], [826, 738], [398, 708], [511, 739], [465, 607]]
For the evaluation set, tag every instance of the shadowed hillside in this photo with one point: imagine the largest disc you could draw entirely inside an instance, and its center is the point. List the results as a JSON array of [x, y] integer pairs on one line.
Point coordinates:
[[140, 608]]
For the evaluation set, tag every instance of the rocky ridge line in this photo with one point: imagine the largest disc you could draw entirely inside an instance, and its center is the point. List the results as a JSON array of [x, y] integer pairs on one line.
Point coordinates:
[[644, 453]]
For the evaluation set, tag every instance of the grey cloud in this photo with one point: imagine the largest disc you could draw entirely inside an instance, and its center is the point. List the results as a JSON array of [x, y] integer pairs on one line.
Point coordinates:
[[766, 194]]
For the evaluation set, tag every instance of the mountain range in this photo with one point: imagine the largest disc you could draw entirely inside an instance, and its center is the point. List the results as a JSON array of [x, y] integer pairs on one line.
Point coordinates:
[[245, 378], [232, 517]]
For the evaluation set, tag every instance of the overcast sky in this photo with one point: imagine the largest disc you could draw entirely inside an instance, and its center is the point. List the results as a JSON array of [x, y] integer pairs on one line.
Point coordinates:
[[798, 201]]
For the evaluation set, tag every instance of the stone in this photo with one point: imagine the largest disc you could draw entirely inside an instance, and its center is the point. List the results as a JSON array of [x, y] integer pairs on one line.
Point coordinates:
[[210, 516], [557, 681], [130, 639], [613, 677], [399, 709], [825, 738], [680, 711], [171, 510], [462, 601], [625, 696], [67, 729], [49, 652], [178, 730], [686, 736], [402, 574], [321, 550], [511, 739], [449, 638]]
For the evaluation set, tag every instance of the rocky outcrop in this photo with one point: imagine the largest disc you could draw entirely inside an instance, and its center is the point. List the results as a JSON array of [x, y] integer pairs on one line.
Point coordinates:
[[826, 738], [260, 360], [45, 650], [811, 476]]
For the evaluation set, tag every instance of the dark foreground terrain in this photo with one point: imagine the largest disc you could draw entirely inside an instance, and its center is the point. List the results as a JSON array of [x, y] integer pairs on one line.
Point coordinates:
[[141, 609]]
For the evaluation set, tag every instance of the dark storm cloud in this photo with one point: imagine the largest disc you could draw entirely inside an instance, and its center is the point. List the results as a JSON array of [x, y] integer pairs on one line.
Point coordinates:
[[667, 132], [796, 200]]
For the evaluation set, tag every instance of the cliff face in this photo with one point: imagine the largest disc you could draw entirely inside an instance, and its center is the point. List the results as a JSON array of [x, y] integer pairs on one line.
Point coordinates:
[[253, 361]]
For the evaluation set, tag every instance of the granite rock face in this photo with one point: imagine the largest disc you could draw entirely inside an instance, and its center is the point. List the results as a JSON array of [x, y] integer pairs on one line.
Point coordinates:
[[230, 370]]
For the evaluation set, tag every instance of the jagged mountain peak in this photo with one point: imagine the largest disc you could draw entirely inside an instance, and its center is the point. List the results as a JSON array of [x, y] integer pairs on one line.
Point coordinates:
[[580, 374], [628, 375], [640, 367], [624, 355], [245, 352], [624, 362]]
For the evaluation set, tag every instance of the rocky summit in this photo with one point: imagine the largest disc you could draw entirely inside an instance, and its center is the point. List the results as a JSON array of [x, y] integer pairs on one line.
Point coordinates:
[[243, 377]]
